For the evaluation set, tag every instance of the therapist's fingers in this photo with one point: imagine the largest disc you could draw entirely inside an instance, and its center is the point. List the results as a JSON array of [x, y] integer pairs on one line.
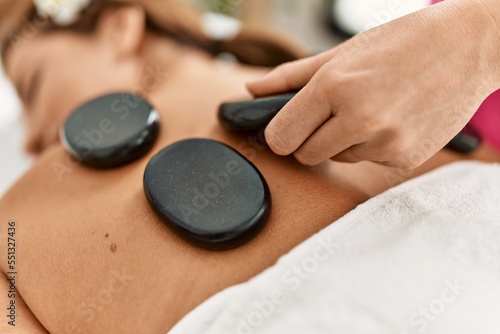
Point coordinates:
[[328, 141], [300, 117], [358, 153], [289, 76]]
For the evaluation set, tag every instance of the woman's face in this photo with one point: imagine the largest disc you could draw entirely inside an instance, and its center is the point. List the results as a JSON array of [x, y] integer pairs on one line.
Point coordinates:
[[56, 72]]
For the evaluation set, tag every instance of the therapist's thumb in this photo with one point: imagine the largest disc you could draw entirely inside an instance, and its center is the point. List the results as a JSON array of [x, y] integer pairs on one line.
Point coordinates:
[[288, 77]]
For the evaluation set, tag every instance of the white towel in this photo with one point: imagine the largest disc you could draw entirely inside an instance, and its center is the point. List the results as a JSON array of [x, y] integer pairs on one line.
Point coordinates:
[[423, 257], [13, 160]]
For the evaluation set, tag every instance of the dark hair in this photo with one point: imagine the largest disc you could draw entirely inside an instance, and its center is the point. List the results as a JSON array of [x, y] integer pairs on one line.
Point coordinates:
[[173, 18]]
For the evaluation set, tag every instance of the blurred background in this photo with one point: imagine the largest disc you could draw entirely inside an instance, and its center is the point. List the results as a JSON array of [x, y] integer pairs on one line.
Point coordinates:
[[318, 24], [305, 20]]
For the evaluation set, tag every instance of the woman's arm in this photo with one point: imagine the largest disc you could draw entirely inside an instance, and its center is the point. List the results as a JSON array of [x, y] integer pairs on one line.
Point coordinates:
[[16, 316]]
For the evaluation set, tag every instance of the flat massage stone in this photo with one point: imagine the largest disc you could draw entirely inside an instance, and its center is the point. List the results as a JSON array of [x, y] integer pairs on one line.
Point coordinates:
[[257, 114], [467, 141], [207, 193], [251, 115], [111, 130]]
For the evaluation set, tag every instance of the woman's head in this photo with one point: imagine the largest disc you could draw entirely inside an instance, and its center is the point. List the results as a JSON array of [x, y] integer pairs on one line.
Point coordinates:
[[57, 68]]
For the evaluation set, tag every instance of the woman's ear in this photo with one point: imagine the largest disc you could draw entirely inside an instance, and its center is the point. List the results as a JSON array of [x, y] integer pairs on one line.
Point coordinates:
[[124, 28]]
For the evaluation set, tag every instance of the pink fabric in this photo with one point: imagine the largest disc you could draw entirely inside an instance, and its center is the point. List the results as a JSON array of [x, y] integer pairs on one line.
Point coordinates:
[[486, 121]]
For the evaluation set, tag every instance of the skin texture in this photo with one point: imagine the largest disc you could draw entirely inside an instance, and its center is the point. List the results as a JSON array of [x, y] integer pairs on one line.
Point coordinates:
[[94, 258], [380, 94]]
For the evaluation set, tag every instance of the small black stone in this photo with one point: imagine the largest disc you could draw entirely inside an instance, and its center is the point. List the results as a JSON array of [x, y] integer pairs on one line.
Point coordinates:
[[251, 115], [111, 130], [207, 193], [467, 141]]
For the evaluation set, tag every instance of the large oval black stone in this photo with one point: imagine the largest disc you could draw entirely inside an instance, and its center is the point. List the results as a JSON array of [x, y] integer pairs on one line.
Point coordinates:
[[208, 193], [111, 130]]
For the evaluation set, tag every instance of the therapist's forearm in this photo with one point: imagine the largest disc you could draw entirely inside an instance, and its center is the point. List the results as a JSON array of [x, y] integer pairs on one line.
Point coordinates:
[[492, 9]]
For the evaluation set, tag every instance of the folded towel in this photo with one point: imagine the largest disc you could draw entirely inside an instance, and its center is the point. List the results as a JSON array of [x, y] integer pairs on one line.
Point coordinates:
[[421, 258]]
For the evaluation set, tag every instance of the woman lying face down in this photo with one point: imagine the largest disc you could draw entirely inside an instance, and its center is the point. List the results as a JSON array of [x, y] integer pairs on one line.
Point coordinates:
[[94, 257]]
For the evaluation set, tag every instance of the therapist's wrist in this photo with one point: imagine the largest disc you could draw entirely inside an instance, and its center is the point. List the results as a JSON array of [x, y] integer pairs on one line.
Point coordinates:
[[478, 28], [490, 11]]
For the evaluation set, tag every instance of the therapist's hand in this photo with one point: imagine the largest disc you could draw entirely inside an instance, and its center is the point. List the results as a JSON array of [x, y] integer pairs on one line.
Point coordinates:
[[395, 94]]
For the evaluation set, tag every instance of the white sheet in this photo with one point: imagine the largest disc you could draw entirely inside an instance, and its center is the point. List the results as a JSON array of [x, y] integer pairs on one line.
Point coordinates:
[[13, 161], [423, 257]]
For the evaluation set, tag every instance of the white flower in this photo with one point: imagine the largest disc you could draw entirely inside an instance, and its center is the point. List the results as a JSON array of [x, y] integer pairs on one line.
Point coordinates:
[[220, 27], [61, 12]]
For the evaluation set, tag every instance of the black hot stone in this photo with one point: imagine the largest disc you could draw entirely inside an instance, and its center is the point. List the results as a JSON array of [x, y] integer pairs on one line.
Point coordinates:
[[466, 141], [208, 193], [111, 130], [251, 115]]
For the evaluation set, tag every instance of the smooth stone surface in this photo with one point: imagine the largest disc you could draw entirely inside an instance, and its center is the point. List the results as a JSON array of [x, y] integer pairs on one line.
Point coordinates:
[[251, 115], [111, 130], [208, 193], [467, 141]]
